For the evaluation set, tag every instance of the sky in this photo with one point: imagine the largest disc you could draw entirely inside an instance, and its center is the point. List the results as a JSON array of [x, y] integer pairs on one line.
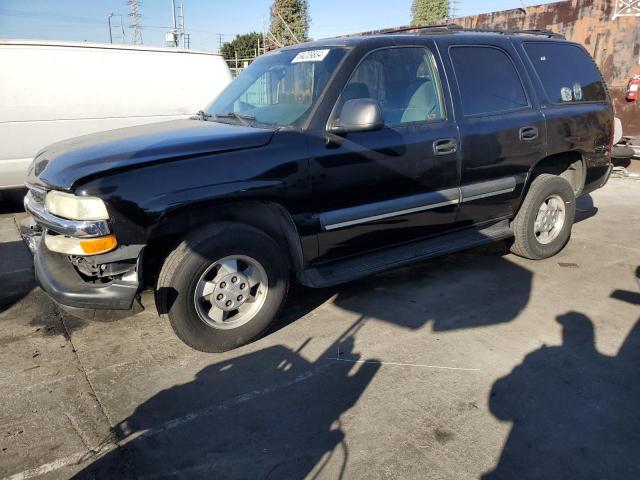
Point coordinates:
[[207, 21]]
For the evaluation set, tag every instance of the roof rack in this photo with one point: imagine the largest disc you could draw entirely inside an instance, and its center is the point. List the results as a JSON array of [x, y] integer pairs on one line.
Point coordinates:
[[454, 27]]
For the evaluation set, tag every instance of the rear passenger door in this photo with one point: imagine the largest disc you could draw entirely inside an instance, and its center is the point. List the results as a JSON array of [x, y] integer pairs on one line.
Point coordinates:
[[378, 188], [502, 131]]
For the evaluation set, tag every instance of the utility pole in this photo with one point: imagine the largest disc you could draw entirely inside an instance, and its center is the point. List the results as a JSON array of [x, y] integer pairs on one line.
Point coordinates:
[[181, 24], [219, 42], [112, 25], [134, 13], [175, 25]]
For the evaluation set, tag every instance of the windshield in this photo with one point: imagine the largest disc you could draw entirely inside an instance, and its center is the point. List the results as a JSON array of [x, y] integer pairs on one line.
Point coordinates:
[[278, 89]]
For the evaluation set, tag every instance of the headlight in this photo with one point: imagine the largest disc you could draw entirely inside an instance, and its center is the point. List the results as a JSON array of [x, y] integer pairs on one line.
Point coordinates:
[[72, 207]]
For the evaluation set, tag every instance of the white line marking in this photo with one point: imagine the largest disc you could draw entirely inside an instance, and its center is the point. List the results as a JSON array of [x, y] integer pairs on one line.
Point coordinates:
[[180, 421], [375, 362], [167, 426], [21, 270], [46, 468], [58, 464]]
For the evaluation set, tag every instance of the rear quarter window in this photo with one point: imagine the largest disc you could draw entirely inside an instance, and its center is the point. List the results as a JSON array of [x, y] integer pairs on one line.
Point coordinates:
[[487, 80], [568, 74]]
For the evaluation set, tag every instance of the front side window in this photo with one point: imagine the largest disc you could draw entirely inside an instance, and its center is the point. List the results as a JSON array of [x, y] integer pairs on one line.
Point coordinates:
[[488, 80], [403, 81], [279, 89], [566, 72]]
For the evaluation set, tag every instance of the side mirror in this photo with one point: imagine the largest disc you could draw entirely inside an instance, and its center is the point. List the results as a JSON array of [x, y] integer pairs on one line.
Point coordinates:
[[358, 115]]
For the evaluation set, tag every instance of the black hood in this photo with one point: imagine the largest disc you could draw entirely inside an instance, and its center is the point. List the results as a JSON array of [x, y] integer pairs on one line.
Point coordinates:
[[63, 164]]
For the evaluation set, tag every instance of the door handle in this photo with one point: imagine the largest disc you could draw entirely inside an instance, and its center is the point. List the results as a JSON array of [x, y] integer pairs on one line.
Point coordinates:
[[528, 133], [445, 146]]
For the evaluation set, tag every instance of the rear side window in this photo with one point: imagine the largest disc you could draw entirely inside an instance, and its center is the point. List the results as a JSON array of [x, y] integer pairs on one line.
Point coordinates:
[[567, 72], [488, 80]]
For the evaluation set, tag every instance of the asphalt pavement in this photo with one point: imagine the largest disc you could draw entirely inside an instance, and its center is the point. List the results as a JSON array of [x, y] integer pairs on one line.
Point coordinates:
[[475, 365]]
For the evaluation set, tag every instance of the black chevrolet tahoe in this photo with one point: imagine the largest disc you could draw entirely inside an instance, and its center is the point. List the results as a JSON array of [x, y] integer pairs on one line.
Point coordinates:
[[329, 160]]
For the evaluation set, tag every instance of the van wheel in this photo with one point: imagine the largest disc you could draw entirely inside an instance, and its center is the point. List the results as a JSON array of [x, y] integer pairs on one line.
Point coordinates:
[[543, 224], [222, 286]]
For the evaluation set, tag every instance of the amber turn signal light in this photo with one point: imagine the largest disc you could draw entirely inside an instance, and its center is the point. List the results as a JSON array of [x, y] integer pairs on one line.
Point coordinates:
[[94, 246]]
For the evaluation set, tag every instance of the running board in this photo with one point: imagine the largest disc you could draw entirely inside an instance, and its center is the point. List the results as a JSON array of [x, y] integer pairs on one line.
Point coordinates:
[[379, 261]]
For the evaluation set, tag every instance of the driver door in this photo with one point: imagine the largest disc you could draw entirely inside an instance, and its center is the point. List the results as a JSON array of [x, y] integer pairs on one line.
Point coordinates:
[[373, 189]]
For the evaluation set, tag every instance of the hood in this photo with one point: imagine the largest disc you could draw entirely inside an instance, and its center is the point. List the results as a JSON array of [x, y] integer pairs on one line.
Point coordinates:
[[63, 164]]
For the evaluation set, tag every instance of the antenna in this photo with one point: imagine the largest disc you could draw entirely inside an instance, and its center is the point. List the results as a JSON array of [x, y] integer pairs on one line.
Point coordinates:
[[134, 13]]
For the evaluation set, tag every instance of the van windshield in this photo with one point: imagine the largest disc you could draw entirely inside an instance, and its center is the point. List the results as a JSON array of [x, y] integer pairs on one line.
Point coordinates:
[[278, 89]]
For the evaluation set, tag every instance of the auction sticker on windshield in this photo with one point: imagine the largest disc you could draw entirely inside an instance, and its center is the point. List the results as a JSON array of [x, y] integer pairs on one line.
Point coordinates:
[[311, 56]]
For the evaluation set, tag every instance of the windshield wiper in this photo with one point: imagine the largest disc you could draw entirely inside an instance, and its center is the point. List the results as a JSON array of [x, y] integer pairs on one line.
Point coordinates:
[[245, 120], [202, 115]]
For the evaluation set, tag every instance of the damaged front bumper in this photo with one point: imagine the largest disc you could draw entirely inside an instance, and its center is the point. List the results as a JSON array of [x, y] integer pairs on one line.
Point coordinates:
[[102, 287]]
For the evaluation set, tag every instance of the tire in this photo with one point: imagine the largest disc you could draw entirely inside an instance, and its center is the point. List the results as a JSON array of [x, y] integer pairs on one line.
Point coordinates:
[[180, 296], [537, 246]]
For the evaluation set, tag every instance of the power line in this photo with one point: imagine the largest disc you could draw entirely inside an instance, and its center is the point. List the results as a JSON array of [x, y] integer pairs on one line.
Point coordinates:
[[47, 16]]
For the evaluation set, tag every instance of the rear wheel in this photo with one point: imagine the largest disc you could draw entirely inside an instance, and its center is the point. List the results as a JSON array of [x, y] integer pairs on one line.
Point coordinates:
[[543, 224], [222, 286]]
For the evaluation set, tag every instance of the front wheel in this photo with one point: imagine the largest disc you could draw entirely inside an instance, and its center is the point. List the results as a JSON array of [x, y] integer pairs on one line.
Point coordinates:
[[543, 224], [222, 286]]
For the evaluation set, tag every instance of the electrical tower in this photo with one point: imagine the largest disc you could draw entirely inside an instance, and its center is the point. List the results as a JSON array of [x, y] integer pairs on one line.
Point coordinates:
[[453, 8], [134, 13]]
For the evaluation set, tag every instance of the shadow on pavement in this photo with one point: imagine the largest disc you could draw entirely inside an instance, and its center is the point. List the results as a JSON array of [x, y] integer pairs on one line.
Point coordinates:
[[268, 414], [11, 201], [465, 290], [16, 273], [574, 411], [628, 296], [275, 414], [16, 262], [585, 208]]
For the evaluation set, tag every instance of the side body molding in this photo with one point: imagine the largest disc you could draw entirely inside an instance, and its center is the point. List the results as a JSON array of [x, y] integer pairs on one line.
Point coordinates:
[[476, 191], [371, 212]]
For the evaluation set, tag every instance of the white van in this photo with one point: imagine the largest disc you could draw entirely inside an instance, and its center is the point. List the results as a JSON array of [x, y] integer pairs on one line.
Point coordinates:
[[51, 91]]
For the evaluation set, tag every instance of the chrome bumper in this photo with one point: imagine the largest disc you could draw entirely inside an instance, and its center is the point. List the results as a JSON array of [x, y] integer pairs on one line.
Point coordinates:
[[71, 228]]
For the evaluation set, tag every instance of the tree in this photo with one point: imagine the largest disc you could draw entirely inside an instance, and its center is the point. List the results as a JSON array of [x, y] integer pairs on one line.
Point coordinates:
[[289, 21], [244, 45], [424, 12]]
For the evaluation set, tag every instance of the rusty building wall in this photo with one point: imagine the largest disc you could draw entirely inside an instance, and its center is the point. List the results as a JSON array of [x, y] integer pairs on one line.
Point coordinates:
[[614, 44]]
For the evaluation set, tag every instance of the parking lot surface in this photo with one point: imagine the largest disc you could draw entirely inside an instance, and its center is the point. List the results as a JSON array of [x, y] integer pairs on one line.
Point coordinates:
[[476, 365]]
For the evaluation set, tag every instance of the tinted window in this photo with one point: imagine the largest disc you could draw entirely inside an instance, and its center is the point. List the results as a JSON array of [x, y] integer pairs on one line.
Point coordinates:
[[567, 72], [487, 79], [404, 81]]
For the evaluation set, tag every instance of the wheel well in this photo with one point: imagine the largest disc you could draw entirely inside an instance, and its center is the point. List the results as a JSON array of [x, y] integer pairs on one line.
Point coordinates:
[[568, 165], [269, 217]]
